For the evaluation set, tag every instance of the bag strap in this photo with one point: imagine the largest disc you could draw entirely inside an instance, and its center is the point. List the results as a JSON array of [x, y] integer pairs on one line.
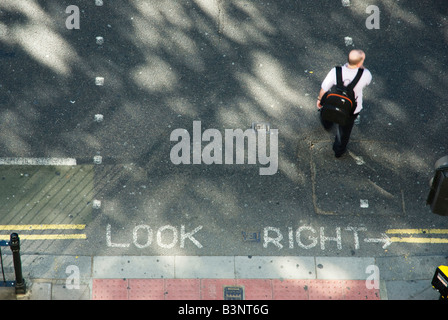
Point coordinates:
[[339, 81], [356, 79]]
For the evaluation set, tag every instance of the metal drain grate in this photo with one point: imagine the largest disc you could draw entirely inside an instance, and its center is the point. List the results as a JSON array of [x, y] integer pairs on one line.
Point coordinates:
[[251, 236], [233, 293]]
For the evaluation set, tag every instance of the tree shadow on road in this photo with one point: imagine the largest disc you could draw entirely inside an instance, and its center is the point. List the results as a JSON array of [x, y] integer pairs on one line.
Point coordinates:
[[227, 64]]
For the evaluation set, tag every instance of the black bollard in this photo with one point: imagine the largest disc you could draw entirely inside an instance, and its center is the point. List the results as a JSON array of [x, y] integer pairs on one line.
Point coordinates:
[[15, 248]]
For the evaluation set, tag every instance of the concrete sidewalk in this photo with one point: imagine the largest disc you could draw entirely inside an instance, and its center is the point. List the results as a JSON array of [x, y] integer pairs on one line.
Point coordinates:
[[205, 278]]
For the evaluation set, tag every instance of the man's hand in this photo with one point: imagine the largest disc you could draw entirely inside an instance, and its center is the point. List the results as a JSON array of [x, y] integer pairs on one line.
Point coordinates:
[[321, 94]]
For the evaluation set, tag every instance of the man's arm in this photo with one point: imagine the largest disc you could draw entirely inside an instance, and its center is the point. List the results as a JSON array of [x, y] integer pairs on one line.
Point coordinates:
[[321, 93], [328, 82]]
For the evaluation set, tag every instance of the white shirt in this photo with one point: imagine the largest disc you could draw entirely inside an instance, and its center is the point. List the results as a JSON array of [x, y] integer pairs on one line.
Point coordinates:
[[347, 76]]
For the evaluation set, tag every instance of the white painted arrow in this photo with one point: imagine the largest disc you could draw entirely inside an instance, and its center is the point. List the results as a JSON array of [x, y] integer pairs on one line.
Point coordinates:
[[384, 239]]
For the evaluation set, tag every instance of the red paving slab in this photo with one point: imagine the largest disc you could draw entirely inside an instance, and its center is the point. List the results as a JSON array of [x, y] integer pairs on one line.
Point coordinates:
[[290, 289], [213, 289], [256, 289], [356, 290], [146, 289], [326, 290], [182, 289], [110, 289]]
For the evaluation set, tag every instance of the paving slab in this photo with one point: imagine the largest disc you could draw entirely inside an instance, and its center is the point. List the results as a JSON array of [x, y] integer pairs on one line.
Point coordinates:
[[182, 289], [8, 293], [205, 267], [214, 289], [39, 291], [270, 278], [343, 267], [62, 292], [409, 268], [275, 267], [133, 267], [146, 289], [411, 290], [51, 267]]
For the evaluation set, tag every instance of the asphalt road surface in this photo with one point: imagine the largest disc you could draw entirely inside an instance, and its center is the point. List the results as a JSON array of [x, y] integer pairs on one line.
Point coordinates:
[[110, 94]]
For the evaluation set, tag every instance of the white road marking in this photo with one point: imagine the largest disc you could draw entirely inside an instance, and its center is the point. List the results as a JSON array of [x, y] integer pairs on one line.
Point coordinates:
[[38, 161]]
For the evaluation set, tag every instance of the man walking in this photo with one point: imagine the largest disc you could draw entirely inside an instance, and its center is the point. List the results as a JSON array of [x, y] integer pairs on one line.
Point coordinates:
[[349, 70]]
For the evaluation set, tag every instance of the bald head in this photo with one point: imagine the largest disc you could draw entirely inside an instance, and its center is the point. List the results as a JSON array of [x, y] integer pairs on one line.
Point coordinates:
[[356, 58]]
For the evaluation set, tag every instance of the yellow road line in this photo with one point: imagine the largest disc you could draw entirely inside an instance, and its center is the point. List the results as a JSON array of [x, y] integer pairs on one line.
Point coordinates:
[[418, 231], [42, 227], [419, 240], [46, 237]]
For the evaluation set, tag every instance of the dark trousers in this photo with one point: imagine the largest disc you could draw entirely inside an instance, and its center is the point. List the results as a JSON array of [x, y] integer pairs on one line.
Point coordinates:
[[342, 134]]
